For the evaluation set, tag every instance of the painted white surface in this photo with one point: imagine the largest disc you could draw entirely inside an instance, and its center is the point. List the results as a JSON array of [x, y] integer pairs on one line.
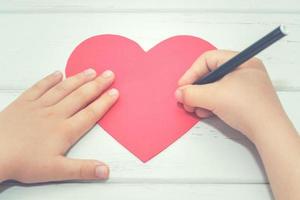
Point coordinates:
[[211, 161], [34, 44], [138, 191], [153, 5]]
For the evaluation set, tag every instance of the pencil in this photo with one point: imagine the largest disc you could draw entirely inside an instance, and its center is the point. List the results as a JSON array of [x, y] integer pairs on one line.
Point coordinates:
[[243, 56]]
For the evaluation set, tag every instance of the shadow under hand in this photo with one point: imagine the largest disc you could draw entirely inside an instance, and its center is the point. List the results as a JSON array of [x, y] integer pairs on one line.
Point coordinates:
[[11, 183], [4, 186], [238, 137]]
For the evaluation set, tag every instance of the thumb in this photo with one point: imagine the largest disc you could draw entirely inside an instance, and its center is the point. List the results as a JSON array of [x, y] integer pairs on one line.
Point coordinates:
[[78, 169], [202, 96]]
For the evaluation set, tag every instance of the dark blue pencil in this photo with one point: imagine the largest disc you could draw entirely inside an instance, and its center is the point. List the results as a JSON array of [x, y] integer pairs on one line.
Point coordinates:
[[243, 56]]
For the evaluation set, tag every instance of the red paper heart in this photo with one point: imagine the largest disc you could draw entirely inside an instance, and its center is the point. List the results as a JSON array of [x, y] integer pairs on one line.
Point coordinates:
[[146, 119]]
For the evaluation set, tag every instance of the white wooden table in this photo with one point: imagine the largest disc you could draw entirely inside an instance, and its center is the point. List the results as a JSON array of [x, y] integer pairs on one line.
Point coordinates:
[[212, 161]]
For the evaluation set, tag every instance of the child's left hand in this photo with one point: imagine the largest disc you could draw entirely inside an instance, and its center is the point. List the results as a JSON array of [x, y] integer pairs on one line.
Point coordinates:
[[40, 126]]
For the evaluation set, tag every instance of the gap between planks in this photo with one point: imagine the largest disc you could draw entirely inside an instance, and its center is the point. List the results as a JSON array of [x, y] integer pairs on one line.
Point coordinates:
[[147, 11], [149, 181]]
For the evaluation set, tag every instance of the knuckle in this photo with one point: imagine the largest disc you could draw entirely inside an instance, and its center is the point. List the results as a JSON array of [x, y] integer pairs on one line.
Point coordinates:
[[46, 102], [82, 94], [79, 78], [38, 86], [68, 128], [89, 90], [185, 95], [91, 114], [209, 52], [197, 71], [223, 54], [48, 112], [258, 61], [230, 52], [218, 53], [61, 87], [94, 87], [101, 82]]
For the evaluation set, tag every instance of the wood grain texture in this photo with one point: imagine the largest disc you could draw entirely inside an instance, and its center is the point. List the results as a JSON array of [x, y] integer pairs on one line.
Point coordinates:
[[212, 161], [91, 191], [35, 44], [150, 6]]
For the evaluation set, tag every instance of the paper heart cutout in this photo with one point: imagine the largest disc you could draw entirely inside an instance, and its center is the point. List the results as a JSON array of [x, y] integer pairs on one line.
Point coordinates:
[[146, 119]]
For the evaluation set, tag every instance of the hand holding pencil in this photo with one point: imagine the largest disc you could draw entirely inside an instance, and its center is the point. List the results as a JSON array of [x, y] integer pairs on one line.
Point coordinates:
[[214, 65], [246, 100]]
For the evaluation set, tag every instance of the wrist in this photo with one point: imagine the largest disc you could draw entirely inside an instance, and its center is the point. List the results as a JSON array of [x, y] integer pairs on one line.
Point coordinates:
[[273, 131], [271, 120]]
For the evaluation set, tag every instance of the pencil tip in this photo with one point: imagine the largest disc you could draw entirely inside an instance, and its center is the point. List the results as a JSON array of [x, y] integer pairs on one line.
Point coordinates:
[[283, 29]]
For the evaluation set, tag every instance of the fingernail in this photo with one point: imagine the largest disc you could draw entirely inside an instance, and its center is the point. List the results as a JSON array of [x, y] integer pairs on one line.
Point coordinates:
[[107, 74], [56, 73], [89, 72], [178, 95], [102, 171], [113, 92]]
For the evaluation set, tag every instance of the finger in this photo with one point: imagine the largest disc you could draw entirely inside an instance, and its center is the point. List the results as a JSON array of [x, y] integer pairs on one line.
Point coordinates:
[[207, 62], [203, 113], [39, 88], [84, 95], [188, 108], [202, 96], [78, 169], [82, 121], [59, 91]]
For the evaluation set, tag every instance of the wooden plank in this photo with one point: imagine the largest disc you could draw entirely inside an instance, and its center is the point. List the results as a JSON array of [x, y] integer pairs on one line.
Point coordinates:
[[78, 191], [35, 44], [211, 152], [152, 6]]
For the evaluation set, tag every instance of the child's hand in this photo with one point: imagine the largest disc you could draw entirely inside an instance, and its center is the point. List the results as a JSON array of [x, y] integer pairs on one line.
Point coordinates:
[[245, 99], [39, 127]]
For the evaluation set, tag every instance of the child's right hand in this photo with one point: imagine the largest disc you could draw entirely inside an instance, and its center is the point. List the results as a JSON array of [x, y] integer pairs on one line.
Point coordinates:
[[244, 99]]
